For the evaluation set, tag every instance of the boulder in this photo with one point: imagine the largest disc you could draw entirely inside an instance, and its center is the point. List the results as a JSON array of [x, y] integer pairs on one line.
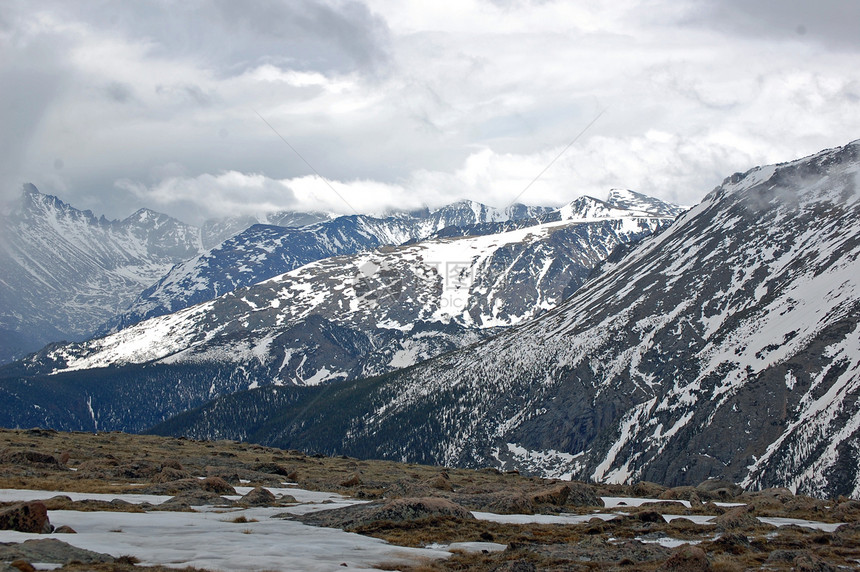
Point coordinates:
[[412, 509], [847, 511], [733, 543], [258, 497], [441, 482], [272, 469], [65, 529], [171, 464], [556, 496], [736, 518], [396, 510], [352, 481], [26, 517], [720, 488], [647, 489], [217, 485], [22, 565], [499, 503], [649, 516], [49, 550], [687, 558], [185, 500], [27, 458], [807, 562], [581, 494]]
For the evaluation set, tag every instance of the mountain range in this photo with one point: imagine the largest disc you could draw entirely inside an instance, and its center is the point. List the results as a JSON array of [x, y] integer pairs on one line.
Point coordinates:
[[64, 271], [68, 274], [348, 317], [721, 343], [264, 251], [726, 346]]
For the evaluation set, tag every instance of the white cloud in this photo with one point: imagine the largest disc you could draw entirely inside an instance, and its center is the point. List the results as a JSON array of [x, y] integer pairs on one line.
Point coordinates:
[[406, 103]]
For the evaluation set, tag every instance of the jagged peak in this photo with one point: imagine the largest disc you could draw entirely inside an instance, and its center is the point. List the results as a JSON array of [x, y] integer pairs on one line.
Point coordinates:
[[633, 200]]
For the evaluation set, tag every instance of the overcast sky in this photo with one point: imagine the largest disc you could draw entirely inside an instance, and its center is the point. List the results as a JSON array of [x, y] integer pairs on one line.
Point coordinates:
[[116, 105]]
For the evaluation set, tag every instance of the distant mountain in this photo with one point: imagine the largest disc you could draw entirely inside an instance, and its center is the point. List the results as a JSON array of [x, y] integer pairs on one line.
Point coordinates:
[[67, 274], [64, 271], [335, 319], [264, 251], [726, 346], [631, 200], [215, 231], [447, 290]]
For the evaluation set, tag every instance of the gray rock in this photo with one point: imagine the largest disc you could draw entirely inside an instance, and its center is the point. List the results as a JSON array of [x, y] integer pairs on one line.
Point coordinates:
[[49, 550]]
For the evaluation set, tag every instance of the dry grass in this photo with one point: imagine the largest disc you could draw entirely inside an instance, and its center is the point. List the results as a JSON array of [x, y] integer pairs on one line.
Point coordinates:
[[242, 520], [117, 463]]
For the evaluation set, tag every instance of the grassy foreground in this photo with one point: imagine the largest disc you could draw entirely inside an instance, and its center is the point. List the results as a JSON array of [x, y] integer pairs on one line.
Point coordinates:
[[736, 540]]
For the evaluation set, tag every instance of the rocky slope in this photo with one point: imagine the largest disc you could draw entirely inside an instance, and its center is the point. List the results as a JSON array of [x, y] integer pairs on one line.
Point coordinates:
[[64, 271], [726, 346], [264, 251], [362, 315]]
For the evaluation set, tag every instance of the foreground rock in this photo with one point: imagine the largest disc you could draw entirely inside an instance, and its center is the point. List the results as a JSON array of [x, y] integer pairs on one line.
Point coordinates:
[[185, 501], [397, 510], [26, 517], [49, 551], [259, 496]]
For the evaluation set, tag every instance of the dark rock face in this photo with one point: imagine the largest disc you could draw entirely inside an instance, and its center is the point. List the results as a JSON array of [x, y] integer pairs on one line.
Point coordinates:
[[26, 517]]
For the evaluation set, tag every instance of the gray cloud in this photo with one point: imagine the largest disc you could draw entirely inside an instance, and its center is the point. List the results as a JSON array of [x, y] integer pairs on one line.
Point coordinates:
[[229, 36], [127, 104], [119, 92], [832, 23]]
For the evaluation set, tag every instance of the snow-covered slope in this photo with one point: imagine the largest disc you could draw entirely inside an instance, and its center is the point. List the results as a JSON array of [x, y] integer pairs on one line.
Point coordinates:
[[726, 346], [391, 307], [631, 200], [263, 251], [63, 271]]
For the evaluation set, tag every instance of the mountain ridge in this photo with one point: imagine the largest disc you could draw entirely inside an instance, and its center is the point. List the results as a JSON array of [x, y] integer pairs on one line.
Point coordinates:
[[66, 270], [726, 346], [260, 252]]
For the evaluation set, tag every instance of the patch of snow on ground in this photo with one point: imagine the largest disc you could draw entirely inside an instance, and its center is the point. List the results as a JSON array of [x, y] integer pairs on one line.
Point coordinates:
[[209, 539]]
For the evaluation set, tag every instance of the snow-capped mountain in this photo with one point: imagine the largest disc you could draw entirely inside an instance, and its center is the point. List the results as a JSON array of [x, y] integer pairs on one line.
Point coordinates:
[[726, 346], [339, 318], [215, 231], [261, 252], [631, 200], [64, 271], [447, 290]]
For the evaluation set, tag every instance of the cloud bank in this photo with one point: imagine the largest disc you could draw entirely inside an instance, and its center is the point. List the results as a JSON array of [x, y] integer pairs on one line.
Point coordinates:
[[116, 105]]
